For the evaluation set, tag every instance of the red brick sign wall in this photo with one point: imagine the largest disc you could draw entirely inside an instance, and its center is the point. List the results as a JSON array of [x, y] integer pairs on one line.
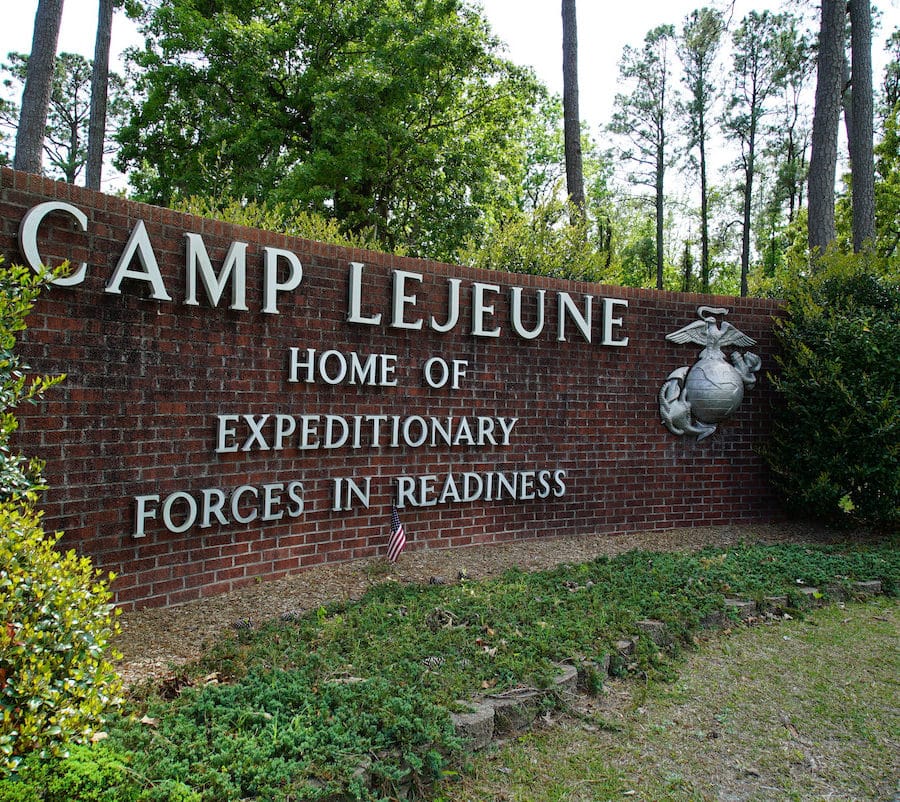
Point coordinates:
[[240, 404]]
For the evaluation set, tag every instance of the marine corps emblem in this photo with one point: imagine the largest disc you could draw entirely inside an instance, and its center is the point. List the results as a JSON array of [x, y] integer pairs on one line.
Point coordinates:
[[695, 400]]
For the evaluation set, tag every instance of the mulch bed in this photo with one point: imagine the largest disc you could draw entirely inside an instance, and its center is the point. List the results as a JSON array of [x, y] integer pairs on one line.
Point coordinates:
[[155, 640]]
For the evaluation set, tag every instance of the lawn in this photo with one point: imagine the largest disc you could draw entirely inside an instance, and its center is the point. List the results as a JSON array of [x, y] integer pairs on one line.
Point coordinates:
[[805, 709]]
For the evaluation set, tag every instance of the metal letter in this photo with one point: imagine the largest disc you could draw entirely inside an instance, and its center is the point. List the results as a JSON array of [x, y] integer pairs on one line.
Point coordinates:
[[28, 229], [271, 285], [400, 300], [516, 314], [235, 262], [354, 305], [139, 243]]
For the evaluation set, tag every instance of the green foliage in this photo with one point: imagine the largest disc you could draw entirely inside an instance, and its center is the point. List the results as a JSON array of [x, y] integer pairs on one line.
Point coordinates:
[[551, 239], [352, 698], [835, 448], [66, 137], [394, 116], [286, 218], [89, 774], [643, 118], [887, 188], [54, 615], [309, 732], [19, 287], [55, 682]]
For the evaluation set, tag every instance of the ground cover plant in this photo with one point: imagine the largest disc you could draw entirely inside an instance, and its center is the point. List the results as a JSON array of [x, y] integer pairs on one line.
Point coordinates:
[[353, 698]]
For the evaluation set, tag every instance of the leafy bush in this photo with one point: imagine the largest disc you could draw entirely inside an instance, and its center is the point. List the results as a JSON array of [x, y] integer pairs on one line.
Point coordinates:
[[54, 613], [55, 622], [286, 218], [19, 287], [543, 242], [90, 774], [835, 448], [290, 735]]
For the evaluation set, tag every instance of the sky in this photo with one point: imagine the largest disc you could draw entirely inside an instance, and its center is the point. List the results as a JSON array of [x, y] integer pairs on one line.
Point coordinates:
[[532, 30]]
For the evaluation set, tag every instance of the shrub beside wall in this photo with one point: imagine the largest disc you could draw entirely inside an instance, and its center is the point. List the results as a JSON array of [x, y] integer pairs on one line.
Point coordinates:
[[55, 615], [835, 449], [55, 624]]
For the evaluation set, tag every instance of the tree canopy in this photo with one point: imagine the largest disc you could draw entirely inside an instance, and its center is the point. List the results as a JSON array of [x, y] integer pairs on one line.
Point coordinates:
[[397, 116], [65, 141], [403, 123]]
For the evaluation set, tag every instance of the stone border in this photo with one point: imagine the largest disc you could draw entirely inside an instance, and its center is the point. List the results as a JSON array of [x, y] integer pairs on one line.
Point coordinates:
[[497, 716]]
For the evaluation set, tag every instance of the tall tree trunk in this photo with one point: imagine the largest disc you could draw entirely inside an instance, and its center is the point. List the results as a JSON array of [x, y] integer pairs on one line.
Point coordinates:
[[687, 267], [862, 162], [38, 87], [704, 210], [99, 93], [847, 106], [70, 167], [571, 118], [660, 201], [749, 170], [826, 116]]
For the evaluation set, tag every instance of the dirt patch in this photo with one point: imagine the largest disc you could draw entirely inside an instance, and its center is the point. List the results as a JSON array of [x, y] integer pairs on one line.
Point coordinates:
[[153, 641]]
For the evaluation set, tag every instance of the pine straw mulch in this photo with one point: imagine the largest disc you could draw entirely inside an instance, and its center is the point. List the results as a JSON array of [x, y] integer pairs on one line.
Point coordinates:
[[153, 641]]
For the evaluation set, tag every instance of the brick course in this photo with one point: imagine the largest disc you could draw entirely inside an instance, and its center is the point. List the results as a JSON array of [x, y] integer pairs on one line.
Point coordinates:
[[147, 378]]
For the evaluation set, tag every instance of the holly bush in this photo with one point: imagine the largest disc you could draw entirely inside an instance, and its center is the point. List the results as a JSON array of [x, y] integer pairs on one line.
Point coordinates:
[[55, 681], [835, 449], [55, 612], [19, 288]]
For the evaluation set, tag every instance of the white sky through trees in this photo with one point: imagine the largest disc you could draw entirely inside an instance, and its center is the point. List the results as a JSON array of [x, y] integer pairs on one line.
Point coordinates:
[[532, 30]]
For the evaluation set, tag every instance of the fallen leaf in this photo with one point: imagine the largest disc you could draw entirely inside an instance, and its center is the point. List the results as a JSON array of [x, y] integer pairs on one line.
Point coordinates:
[[150, 722]]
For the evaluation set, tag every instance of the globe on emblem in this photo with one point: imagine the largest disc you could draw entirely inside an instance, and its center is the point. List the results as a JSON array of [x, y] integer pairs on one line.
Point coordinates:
[[714, 390]]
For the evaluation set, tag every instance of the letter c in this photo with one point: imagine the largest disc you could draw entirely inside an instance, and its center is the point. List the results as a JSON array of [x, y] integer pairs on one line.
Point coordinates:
[[28, 230]]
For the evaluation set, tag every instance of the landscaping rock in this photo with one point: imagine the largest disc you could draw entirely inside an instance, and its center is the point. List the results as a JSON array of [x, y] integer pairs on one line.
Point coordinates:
[[566, 682], [836, 592], [591, 673], [775, 604], [476, 726], [810, 597], [871, 588], [714, 620], [655, 630], [625, 647], [744, 608], [514, 712]]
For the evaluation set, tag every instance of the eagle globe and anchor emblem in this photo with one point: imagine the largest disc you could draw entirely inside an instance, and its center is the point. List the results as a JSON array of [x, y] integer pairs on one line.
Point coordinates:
[[695, 400]]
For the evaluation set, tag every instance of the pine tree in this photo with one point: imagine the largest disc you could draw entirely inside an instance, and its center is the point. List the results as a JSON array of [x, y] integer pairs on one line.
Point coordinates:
[[38, 87]]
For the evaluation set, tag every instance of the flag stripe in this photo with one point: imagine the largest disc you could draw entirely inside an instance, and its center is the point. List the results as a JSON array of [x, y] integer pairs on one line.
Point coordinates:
[[398, 536]]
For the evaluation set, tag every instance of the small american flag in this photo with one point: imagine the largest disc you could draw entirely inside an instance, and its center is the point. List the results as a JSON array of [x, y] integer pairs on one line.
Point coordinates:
[[398, 537]]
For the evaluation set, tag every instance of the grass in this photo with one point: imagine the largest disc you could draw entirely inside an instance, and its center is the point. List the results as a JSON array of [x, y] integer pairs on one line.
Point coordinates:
[[802, 710], [351, 701]]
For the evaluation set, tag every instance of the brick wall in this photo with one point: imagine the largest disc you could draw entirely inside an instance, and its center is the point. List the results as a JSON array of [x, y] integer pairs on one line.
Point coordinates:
[[153, 386]]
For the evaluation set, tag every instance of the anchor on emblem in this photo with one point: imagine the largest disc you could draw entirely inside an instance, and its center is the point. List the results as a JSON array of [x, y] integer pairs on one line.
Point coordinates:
[[694, 400]]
